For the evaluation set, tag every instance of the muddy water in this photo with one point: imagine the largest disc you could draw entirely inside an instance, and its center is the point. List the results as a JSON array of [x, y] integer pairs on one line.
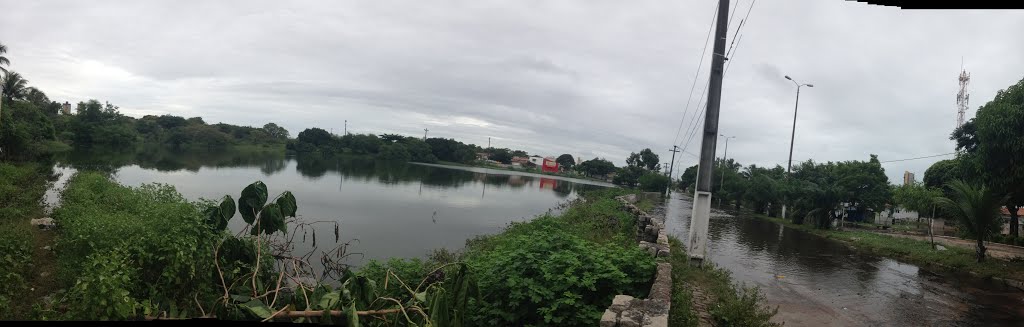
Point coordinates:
[[818, 282]]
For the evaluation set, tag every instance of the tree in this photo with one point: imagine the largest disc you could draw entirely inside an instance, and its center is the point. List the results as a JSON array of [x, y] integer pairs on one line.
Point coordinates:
[[394, 152], [999, 128], [14, 86], [974, 208], [689, 178], [501, 155], [919, 198], [653, 182], [519, 153], [646, 159], [596, 167], [565, 161], [276, 132], [391, 138], [941, 173], [629, 176], [3, 59], [314, 136]]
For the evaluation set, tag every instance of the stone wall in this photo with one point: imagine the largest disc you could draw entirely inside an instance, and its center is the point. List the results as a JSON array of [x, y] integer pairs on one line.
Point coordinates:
[[627, 311]]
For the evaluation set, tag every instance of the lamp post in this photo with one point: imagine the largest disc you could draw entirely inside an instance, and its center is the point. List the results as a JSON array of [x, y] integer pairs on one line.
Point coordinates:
[[721, 185], [792, 135]]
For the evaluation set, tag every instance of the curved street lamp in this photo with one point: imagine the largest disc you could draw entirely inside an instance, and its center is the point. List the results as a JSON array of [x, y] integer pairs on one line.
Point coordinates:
[[792, 134]]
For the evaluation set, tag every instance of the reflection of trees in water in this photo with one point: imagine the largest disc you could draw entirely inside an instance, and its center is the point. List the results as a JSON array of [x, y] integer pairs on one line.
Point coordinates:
[[110, 159]]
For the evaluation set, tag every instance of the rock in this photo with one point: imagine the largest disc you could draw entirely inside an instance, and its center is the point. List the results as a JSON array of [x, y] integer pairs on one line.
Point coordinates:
[[620, 303], [657, 321], [47, 248], [662, 288], [44, 274], [940, 247], [629, 319], [609, 319], [44, 223]]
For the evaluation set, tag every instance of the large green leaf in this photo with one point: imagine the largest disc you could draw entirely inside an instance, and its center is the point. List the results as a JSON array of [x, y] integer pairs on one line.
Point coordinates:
[[258, 308], [271, 219], [353, 317], [227, 208], [213, 216], [440, 316], [253, 197], [329, 301], [288, 204]]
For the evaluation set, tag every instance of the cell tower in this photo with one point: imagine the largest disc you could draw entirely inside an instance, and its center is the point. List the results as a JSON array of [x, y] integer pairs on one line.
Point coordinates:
[[962, 97]]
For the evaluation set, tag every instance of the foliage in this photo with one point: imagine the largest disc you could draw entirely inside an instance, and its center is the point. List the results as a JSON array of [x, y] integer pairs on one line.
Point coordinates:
[[548, 276], [394, 152], [14, 86], [452, 150], [27, 132], [976, 210], [596, 167], [165, 242], [566, 161], [646, 159], [15, 263], [916, 197], [500, 155], [942, 172], [106, 287], [628, 176], [1000, 147], [688, 180], [733, 305], [560, 270], [653, 182]]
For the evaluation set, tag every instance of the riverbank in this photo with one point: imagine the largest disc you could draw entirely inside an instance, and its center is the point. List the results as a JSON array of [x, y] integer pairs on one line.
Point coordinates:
[[24, 267], [953, 260], [518, 173]]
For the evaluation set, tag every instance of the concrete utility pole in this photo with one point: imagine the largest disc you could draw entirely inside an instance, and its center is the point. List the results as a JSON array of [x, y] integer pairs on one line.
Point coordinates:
[[702, 195], [346, 126], [792, 135], [671, 165], [721, 185], [488, 142], [425, 133]]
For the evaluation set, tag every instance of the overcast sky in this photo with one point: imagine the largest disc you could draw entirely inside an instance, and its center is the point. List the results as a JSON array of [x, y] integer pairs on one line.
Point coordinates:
[[590, 78]]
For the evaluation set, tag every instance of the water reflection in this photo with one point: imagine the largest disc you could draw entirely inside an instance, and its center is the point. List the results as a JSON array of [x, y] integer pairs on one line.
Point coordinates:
[[393, 209], [820, 282]]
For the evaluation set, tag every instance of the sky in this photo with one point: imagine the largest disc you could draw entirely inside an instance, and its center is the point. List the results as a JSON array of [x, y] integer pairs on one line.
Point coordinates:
[[595, 78]]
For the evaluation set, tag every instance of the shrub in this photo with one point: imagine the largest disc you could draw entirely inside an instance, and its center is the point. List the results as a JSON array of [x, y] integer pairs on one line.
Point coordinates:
[[546, 275], [654, 182], [15, 258], [166, 244]]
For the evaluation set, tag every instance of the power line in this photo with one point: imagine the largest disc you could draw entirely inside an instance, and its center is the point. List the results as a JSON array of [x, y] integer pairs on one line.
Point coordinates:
[[931, 156], [675, 140]]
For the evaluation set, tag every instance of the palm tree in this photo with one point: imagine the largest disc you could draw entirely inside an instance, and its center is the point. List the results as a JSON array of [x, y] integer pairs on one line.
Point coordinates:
[[3, 61], [974, 208], [14, 86]]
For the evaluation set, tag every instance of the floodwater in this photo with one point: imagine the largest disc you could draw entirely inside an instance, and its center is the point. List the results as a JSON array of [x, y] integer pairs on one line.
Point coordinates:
[[818, 282], [383, 209]]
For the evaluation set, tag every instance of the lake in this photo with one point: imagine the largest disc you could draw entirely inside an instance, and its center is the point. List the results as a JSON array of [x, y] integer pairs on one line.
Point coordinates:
[[385, 209]]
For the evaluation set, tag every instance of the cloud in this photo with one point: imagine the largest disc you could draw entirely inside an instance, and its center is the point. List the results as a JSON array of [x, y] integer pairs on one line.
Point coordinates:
[[591, 78]]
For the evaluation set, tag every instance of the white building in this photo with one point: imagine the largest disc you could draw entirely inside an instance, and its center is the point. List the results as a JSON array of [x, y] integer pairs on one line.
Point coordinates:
[[900, 213], [537, 160]]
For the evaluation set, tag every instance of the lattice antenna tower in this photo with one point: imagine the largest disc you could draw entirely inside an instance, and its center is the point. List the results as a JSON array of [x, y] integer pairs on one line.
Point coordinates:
[[962, 97]]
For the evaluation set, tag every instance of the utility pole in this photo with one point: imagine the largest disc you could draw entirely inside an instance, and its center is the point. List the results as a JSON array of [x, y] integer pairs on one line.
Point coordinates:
[[721, 185], [702, 195], [346, 126], [488, 142], [671, 165], [425, 133]]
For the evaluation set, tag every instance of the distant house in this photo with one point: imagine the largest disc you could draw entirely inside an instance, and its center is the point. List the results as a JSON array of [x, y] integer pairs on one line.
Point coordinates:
[[519, 161], [549, 165], [482, 155], [899, 213], [1005, 214], [537, 160]]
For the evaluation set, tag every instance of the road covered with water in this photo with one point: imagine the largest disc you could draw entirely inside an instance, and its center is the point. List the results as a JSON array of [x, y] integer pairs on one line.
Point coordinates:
[[819, 282]]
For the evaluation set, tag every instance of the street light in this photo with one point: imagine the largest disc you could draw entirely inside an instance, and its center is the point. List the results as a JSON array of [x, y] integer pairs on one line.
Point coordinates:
[[792, 135], [721, 185]]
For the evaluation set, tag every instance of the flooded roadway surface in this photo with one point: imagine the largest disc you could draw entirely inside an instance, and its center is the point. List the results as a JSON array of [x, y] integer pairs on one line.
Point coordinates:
[[819, 282]]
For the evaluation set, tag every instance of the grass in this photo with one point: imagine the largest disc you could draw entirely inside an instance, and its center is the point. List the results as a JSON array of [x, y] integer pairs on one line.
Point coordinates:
[[22, 187], [728, 304], [952, 260]]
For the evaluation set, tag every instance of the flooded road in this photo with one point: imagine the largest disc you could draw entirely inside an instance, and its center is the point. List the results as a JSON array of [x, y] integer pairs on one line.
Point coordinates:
[[818, 282]]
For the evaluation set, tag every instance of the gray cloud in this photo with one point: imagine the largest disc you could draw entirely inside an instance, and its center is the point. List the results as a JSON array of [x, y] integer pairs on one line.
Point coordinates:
[[591, 78]]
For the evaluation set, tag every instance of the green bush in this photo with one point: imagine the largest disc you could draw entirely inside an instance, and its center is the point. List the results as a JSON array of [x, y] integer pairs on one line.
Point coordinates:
[[164, 238], [104, 290], [543, 274], [15, 258], [654, 182]]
